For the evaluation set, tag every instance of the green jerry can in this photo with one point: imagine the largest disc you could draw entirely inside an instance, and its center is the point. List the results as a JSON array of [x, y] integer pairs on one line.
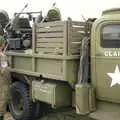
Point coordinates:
[[85, 98]]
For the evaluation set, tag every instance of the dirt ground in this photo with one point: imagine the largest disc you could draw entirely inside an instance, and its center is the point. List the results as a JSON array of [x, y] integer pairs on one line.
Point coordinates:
[[63, 114], [55, 116]]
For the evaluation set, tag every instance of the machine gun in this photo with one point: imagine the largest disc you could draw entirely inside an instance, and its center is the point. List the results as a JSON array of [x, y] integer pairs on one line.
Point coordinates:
[[19, 31], [15, 17]]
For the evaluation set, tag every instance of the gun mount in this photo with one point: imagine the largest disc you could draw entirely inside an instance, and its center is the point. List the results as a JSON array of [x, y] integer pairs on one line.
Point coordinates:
[[19, 29]]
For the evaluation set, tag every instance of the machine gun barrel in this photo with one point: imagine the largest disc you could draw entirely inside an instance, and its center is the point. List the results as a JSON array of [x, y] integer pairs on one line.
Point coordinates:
[[16, 16], [24, 7], [27, 13]]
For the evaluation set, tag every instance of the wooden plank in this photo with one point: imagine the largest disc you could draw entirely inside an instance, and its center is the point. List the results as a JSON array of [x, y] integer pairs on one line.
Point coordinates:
[[76, 46], [73, 35], [75, 29], [76, 39], [51, 29], [50, 40], [36, 55], [75, 51], [65, 39], [69, 36], [77, 23], [49, 50], [77, 35], [76, 42], [50, 24], [50, 35], [49, 45]]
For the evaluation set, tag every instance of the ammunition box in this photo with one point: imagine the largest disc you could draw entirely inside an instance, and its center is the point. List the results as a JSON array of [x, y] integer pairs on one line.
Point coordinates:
[[55, 94]]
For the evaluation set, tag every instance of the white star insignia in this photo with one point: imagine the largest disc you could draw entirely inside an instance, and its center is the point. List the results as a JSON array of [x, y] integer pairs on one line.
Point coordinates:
[[115, 76]]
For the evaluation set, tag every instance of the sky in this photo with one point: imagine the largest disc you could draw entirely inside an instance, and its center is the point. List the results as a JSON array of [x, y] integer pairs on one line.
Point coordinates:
[[69, 8]]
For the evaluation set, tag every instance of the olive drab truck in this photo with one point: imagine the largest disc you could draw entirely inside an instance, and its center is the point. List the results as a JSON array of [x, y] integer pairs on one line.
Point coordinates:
[[69, 64]]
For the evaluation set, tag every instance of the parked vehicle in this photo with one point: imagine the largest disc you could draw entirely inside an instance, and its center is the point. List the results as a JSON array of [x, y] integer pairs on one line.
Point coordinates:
[[65, 63]]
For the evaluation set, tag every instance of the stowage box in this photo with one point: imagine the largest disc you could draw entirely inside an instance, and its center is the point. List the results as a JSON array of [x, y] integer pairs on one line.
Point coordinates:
[[52, 93]]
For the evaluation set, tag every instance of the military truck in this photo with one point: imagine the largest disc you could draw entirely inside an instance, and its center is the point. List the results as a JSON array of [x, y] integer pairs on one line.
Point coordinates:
[[65, 64]]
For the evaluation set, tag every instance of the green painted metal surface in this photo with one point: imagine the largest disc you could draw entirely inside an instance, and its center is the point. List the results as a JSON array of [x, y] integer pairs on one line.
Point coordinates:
[[85, 99], [104, 60], [55, 94], [49, 66], [105, 68]]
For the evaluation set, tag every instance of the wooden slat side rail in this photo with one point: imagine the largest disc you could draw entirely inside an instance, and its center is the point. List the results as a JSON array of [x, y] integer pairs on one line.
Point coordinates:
[[78, 34], [50, 38], [69, 36], [76, 39], [82, 27], [77, 23], [65, 53], [50, 45], [75, 45], [52, 51], [50, 35], [50, 24], [76, 31], [75, 51], [60, 37], [50, 29]]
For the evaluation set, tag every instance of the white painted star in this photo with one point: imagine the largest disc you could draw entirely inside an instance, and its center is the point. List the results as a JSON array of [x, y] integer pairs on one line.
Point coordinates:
[[115, 76]]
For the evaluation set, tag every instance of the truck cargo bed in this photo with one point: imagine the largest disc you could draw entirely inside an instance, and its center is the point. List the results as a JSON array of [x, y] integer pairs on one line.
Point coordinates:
[[55, 51]]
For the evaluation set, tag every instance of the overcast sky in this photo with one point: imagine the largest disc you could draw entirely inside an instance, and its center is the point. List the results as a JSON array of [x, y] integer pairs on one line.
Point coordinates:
[[69, 8]]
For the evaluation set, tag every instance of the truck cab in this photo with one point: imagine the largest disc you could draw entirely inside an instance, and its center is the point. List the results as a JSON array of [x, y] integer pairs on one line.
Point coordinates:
[[105, 54], [105, 69]]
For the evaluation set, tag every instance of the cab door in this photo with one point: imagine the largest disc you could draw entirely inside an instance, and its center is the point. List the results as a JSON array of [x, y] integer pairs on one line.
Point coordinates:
[[107, 61]]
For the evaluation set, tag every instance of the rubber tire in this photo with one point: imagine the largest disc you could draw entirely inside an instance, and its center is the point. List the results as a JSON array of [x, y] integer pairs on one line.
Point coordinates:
[[39, 109], [36, 111], [27, 111]]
